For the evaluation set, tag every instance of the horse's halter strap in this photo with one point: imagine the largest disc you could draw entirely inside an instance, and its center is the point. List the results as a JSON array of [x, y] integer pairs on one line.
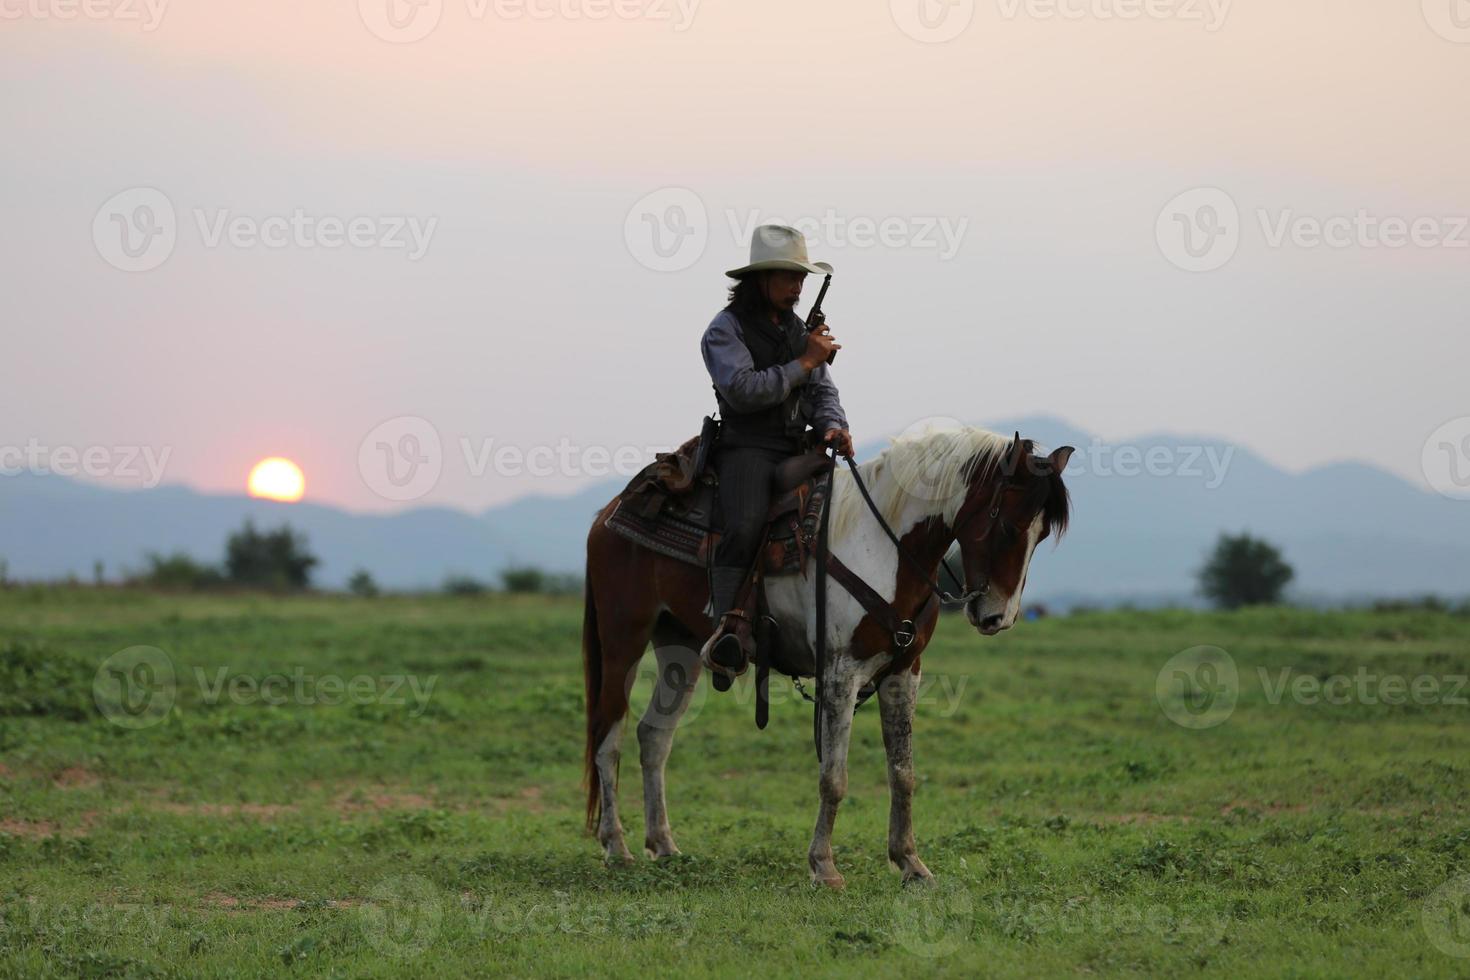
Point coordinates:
[[970, 594]]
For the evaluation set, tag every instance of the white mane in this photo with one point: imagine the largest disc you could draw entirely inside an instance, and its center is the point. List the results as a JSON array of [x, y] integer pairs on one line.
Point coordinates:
[[931, 467]]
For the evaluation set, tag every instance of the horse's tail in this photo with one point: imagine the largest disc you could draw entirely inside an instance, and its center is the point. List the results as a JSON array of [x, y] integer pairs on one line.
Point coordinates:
[[592, 674]]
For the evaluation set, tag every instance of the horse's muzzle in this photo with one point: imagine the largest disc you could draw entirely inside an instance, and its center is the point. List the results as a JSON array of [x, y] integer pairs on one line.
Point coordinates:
[[987, 624]]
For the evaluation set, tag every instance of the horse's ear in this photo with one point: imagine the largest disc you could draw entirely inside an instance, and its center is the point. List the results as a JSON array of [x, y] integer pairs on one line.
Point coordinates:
[[1059, 458], [1015, 456]]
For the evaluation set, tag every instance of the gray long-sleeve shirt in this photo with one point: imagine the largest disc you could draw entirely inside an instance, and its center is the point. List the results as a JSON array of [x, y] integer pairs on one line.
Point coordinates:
[[747, 390]]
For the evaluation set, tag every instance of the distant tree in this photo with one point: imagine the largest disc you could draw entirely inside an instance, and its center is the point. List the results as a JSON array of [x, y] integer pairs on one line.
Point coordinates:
[[276, 559], [1244, 571], [97, 570], [566, 584], [361, 583], [529, 579], [177, 571], [523, 579], [464, 585]]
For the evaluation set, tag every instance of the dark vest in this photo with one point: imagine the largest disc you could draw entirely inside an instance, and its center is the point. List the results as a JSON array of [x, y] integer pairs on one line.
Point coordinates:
[[779, 426]]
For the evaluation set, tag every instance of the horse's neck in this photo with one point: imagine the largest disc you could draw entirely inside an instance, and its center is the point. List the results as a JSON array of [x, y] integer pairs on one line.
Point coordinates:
[[921, 528]]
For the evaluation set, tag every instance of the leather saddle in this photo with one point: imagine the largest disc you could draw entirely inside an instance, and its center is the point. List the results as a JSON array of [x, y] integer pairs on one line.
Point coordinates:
[[670, 508]]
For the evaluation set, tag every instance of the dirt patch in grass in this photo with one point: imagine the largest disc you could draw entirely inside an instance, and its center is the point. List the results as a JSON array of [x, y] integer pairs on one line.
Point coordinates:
[[1144, 817], [76, 777], [41, 829], [34, 829], [240, 906], [387, 799], [356, 801], [261, 811], [1268, 809], [529, 798]]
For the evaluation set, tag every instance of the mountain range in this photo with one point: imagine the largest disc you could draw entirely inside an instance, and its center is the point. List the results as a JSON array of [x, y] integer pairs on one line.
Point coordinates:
[[1145, 513]]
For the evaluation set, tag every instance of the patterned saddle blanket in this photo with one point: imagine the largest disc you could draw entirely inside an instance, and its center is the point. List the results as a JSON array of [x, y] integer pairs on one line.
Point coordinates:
[[670, 509]]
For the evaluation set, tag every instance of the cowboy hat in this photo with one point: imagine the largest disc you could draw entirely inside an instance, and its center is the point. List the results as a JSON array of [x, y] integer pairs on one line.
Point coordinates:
[[779, 247]]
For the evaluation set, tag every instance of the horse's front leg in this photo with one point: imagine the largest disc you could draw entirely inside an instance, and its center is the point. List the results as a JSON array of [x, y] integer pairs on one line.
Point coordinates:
[[897, 696], [839, 699]]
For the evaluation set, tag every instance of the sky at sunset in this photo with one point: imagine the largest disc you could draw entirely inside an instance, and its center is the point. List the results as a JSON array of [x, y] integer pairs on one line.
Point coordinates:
[[237, 231]]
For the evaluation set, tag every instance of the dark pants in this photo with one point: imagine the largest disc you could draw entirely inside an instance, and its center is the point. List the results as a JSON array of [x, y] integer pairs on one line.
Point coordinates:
[[745, 496]]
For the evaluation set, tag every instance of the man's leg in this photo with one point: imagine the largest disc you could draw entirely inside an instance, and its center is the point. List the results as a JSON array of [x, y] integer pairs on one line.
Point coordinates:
[[745, 496]]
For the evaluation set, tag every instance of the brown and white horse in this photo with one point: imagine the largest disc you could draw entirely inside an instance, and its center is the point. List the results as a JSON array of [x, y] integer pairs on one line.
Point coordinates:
[[927, 486]]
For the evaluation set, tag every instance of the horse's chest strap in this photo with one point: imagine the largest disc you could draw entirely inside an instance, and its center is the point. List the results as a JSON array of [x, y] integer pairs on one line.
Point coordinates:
[[904, 631]]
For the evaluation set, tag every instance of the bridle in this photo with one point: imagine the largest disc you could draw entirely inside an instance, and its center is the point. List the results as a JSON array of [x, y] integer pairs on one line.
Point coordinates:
[[961, 521]]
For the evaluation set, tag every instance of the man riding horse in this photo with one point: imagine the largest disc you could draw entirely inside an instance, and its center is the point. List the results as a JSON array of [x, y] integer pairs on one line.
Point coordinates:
[[771, 381]]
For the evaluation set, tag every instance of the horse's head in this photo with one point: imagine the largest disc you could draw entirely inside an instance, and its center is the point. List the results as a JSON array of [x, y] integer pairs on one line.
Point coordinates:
[[1013, 505]]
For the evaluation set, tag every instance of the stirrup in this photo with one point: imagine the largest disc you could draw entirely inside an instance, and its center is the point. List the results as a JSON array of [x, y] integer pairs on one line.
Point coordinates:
[[726, 635]]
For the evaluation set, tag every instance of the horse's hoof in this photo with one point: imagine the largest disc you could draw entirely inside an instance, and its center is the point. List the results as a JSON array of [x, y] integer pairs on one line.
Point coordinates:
[[721, 681], [913, 871], [833, 881], [925, 880]]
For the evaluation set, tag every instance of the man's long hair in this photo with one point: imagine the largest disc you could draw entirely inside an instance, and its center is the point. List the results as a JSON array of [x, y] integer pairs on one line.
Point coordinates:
[[747, 299]]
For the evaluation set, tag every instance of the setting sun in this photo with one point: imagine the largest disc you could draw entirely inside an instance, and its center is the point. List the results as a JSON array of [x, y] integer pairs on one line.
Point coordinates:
[[277, 479]]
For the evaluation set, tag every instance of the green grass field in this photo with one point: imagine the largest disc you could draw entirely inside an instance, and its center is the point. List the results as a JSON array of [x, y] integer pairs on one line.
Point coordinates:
[[437, 828]]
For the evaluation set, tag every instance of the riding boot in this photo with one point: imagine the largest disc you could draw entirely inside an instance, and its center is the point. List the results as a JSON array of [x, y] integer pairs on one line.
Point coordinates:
[[727, 652]]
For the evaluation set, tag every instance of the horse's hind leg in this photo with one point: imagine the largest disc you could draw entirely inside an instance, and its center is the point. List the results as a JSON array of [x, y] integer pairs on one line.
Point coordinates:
[[623, 645], [678, 679]]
